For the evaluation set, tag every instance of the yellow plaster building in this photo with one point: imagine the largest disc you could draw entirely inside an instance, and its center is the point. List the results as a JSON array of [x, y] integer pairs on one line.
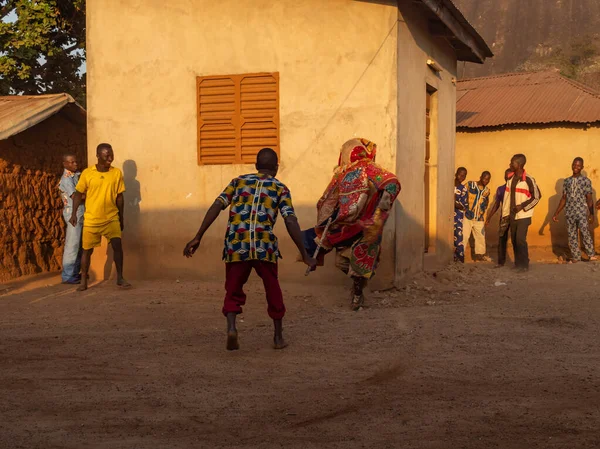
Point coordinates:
[[549, 118], [188, 91]]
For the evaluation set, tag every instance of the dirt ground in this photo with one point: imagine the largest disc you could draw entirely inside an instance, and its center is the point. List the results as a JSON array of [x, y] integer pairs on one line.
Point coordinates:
[[455, 360]]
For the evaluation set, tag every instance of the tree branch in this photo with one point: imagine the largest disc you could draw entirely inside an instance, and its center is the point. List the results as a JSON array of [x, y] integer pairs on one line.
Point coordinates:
[[7, 9], [5, 12], [75, 46]]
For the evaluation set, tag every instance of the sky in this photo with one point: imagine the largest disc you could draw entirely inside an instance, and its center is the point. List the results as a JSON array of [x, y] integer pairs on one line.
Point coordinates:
[[13, 17]]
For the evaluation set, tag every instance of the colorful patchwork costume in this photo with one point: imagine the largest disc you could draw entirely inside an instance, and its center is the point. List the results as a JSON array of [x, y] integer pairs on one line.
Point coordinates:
[[358, 201], [254, 202], [460, 197], [576, 190]]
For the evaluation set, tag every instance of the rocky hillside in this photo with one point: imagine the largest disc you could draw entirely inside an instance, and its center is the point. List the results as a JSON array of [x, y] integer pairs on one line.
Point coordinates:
[[528, 35]]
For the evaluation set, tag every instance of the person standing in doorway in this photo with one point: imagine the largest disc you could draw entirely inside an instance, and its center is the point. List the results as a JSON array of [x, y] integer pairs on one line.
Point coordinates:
[[460, 206], [254, 201], [520, 198], [478, 199], [577, 197], [71, 262], [103, 187]]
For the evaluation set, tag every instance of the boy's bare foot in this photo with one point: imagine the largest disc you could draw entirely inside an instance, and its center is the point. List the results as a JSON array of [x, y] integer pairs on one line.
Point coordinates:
[[123, 283], [232, 341], [232, 335], [279, 342], [83, 287]]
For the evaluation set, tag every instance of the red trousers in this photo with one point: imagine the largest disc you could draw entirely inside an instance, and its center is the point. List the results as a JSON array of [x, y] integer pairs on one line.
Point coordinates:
[[237, 274]]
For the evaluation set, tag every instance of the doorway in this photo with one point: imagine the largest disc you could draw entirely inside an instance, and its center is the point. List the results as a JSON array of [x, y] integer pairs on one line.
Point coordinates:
[[430, 178]]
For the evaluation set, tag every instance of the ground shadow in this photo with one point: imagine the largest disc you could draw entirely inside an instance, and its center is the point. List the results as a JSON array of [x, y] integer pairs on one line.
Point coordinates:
[[16, 284]]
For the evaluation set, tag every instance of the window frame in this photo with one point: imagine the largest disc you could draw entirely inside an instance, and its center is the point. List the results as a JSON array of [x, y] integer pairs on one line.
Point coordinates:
[[255, 120]]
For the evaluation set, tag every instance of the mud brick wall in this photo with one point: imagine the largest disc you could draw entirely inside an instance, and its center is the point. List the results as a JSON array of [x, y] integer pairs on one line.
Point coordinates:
[[31, 224]]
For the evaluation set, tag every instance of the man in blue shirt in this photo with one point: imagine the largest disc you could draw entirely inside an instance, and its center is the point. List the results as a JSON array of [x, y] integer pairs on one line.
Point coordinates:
[[498, 200], [72, 249]]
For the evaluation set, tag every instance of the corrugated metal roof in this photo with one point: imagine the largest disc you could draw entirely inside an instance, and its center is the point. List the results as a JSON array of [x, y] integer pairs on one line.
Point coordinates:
[[20, 112], [524, 98]]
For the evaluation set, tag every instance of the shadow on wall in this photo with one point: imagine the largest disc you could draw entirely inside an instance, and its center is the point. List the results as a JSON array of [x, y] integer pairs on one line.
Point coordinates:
[[558, 231], [381, 2], [131, 242], [161, 258], [153, 242]]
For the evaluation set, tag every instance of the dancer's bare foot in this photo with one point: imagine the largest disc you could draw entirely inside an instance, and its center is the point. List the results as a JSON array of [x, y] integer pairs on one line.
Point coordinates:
[[232, 340], [83, 287]]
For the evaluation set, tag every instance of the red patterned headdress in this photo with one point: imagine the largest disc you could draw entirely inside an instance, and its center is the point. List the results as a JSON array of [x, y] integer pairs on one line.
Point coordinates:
[[356, 150]]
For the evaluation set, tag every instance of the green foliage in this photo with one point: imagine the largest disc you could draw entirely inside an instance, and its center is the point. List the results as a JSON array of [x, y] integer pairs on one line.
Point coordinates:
[[43, 49]]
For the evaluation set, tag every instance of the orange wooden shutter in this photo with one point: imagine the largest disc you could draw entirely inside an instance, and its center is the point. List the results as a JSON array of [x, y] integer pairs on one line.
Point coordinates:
[[237, 116], [259, 124], [217, 120]]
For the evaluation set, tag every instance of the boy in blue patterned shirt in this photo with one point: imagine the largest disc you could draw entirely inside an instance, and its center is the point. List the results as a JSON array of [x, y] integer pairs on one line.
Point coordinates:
[[254, 201], [577, 197], [478, 200]]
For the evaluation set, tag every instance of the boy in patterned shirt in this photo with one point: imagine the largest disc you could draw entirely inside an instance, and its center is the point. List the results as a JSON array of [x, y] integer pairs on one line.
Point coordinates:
[[478, 200], [577, 197], [254, 201]]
